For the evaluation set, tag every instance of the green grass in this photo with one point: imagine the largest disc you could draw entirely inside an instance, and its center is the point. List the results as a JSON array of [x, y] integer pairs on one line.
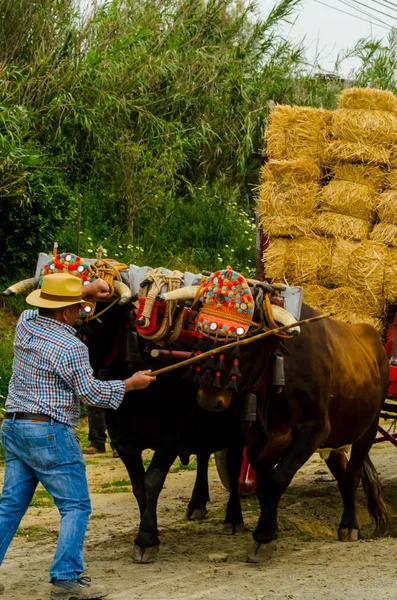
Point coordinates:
[[36, 532], [115, 487], [178, 466], [42, 499]]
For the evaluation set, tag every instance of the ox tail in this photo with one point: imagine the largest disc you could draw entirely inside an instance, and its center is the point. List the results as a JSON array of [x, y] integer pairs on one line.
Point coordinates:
[[376, 499]]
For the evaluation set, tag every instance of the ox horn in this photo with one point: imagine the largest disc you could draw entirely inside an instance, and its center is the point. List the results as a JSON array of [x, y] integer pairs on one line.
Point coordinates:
[[123, 291], [285, 318], [22, 286], [184, 293]]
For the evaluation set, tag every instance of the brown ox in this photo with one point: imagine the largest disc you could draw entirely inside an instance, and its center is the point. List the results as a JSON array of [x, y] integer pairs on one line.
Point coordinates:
[[336, 379]]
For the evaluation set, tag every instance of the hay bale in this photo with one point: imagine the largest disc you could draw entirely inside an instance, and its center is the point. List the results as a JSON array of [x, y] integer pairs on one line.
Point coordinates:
[[351, 300], [386, 230], [373, 177], [384, 233], [336, 225], [279, 199], [291, 172], [347, 198], [287, 226], [316, 296], [343, 151], [297, 132], [393, 159], [275, 259], [368, 99], [360, 265], [373, 127], [387, 207], [348, 304], [297, 261], [308, 260], [391, 179]]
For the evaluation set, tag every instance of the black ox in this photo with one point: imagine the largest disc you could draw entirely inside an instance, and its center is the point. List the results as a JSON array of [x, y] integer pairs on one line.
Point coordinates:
[[166, 418]]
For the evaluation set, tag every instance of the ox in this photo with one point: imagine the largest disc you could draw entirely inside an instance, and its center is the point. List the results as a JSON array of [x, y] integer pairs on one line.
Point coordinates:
[[166, 418], [336, 379]]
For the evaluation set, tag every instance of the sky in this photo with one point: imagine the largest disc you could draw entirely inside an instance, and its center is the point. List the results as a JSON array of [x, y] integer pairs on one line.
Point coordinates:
[[327, 31]]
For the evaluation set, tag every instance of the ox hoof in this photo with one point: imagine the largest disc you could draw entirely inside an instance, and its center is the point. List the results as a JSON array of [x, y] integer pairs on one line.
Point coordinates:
[[197, 514], [144, 555], [233, 528], [347, 535], [261, 552]]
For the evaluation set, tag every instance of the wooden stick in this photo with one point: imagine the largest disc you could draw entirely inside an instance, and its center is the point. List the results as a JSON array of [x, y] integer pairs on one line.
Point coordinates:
[[254, 338]]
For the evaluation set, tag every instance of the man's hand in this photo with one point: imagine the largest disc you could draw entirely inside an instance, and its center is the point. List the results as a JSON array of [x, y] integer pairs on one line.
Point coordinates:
[[96, 290], [138, 381]]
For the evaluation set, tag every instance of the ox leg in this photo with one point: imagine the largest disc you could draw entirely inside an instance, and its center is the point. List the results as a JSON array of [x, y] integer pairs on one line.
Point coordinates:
[[234, 522], [136, 472], [197, 507], [146, 544], [348, 527], [272, 484]]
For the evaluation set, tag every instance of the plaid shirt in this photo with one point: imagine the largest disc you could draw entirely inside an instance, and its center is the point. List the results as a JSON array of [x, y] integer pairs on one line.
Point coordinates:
[[52, 373]]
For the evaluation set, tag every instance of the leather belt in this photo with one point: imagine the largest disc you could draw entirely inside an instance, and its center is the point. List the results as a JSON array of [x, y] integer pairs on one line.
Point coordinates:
[[28, 416]]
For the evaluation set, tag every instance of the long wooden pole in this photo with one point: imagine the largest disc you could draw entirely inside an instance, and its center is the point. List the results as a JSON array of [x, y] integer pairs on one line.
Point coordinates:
[[254, 338]]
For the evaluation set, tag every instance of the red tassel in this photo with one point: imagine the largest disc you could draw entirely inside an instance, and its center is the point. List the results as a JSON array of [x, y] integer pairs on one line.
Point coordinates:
[[217, 380], [235, 370], [221, 365], [196, 378], [206, 378]]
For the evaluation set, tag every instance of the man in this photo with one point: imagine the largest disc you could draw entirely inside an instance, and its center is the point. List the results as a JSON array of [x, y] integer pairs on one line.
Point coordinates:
[[96, 432], [51, 377]]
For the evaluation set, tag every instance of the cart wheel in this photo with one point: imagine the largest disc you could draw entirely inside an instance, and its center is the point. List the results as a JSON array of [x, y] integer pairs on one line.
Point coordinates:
[[247, 479]]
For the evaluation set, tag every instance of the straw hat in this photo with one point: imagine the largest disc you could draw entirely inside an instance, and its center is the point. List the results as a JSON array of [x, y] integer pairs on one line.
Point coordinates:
[[58, 290]]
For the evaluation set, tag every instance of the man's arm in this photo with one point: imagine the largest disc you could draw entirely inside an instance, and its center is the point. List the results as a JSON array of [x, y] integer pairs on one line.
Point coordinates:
[[77, 373]]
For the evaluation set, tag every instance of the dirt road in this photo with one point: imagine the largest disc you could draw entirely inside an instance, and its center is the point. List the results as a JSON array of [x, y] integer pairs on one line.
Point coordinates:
[[308, 564]]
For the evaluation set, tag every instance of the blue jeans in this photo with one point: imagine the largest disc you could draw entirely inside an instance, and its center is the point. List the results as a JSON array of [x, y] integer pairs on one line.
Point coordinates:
[[49, 453]]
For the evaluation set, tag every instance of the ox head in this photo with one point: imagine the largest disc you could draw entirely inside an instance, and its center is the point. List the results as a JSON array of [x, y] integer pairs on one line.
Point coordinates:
[[230, 310]]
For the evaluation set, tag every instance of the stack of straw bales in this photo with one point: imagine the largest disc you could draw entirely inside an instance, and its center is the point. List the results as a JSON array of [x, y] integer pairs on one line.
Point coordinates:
[[296, 141], [323, 237]]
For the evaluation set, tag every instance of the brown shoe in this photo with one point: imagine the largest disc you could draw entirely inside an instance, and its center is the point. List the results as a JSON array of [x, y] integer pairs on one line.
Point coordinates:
[[92, 450], [78, 589]]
